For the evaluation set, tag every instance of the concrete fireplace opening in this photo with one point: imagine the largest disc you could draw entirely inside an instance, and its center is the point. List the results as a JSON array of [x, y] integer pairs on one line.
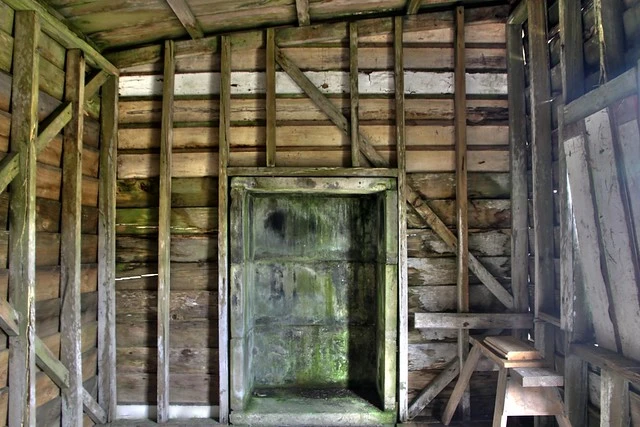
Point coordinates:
[[313, 300]]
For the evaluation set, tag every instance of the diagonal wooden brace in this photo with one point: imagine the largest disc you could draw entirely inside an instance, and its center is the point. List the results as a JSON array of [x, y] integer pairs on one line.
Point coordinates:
[[412, 196], [54, 124]]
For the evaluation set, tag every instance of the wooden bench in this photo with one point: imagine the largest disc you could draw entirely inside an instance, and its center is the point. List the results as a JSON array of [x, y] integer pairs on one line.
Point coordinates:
[[526, 386]]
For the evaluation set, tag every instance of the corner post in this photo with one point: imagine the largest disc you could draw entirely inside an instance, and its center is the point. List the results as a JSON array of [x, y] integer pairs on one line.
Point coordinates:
[[22, 219]]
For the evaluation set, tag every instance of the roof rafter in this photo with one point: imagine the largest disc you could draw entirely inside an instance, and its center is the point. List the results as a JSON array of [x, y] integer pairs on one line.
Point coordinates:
[[302, 8], [413, 6], [186, 17]]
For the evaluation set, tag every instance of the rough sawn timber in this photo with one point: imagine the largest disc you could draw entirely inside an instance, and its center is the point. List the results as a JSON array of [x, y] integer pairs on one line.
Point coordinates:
[[376, 160]]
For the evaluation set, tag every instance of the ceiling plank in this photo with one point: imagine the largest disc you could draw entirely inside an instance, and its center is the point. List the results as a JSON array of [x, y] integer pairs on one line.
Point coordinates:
[[186, 17], [302, 7], [413, 7]]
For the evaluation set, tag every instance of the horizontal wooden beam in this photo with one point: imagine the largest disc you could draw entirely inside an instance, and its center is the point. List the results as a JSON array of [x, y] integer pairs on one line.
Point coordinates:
[[551, 319], [537, 377], [153, 53], [629, 369], [626, 84], [63, 35], [474, 320], [320, 171], [294, 36]]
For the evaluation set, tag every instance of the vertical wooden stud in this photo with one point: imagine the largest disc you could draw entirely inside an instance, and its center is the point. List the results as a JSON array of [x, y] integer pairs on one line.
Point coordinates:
[[355, 94], [70, 241], [571, 56], [573, 316], [302, 9], [542, 174], [614, 400], [271, 97], [22, 219], [610, 31], [223, 208], [107, 248], [462, 249], [403, 301], [499, 419], [164, 232], [518, 166]]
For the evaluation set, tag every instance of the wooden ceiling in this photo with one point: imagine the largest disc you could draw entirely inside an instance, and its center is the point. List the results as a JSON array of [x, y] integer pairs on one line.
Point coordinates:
[[119, 24]]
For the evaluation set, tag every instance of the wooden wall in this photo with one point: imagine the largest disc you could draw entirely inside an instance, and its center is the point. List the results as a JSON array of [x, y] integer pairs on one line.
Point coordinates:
[[49, 178], [305, 137], [625, 113]]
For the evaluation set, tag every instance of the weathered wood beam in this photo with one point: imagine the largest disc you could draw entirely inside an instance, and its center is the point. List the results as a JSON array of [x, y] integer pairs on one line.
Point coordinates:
[[462, 222], [434, 388], [312, 171], [354, 94], [403, 292], [271, 97], [461, 384], [223, 206], [107, 249], [610, 32], [589, 245], [614, 400], [474, 320], [22, 219], [519, 15], [49, 363], [153, 53], [604, 359], [92, 409], [616, 232], [571, 55], [542, 173], [412, 196], [295, 36], [63, 35], [8, 319], [70, 243], [164, 233], [186, 17], [50, 127], [413, 6], [302, 9], [518, 167], [499, 419], [614, 90]]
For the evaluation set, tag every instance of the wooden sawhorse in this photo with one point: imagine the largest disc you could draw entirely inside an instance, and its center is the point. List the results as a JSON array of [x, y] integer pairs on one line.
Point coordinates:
[[530, 389]]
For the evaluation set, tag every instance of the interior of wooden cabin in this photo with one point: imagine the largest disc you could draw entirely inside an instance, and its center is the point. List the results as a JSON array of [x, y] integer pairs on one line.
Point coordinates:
[[320, 212]]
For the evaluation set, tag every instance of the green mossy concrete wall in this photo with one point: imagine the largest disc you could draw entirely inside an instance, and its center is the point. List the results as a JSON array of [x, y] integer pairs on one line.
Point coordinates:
[[312, 261]]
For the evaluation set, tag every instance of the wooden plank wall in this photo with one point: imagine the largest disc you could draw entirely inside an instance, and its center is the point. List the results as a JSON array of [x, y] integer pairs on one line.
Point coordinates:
[[305, 137], [626, 113], [49, 178]]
